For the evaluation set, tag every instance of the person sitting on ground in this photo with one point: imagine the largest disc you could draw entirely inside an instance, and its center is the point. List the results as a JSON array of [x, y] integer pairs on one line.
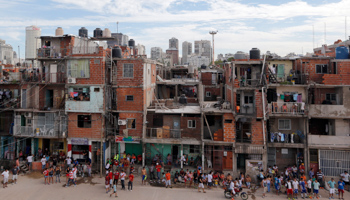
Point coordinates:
[[248, 180], [176, 177]]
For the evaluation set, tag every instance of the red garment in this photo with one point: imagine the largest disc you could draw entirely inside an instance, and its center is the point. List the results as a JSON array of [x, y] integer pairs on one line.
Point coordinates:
[[46, 173], [158, 167], [116, 175], [167, 176], [131, 178], [70, 175], [110, 175]]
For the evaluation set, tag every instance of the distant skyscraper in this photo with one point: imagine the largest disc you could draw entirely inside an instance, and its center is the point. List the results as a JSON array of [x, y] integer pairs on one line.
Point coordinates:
[[141, 50], [156, 53], [174, 43], [197, 61], [203, 48], [120, 40], [6, 53], [33, 41], [186, 51]]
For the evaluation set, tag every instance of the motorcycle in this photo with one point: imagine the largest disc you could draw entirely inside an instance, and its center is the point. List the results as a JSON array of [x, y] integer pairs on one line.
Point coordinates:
[[238, 191]]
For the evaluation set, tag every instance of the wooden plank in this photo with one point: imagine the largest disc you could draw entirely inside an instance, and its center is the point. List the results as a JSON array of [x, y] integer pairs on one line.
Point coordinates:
[[206, 121]]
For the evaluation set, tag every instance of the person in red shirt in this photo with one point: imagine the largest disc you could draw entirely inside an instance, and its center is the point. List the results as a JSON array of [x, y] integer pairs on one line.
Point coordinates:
[[107, 183], [158, 168], [46, 175], [71, 178], [167, 179], [131, 179], [110, 178], [116, 177]]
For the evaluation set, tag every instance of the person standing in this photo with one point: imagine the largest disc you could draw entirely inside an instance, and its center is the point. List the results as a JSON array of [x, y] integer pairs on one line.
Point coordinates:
[[295, 187], [116, 177], [168, 179], [110, 178], [131, 180], [320, 178], [289, 188], [5, 176], [46, 176], [51, 175], [264, 185], [158, 168], [345, 177], [43, 163], [122, 179], [68, 162], [316, 189], [210, 180], [58, 174], [247, 181], [277, 185], [88, 165], [311, 173], [107, 182], [29, 161], [341, 189], [151, 172], [331, 185], [144, 175], [302, 186], [200, 185], [15, 174], [74, 170]]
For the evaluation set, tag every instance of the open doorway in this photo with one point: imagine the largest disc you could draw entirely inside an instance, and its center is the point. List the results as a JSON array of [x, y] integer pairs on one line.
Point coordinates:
[[175, 152]]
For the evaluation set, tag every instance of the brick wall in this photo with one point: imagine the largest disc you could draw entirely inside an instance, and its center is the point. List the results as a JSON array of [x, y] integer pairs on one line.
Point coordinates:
[[257, 132], [97, 72], [191, 132], [310, 66], [137, 80], [139, 124], [343, 76], [229, 128], [93, 132], [136, 105], [206, 78], [258, 104], [215, 92]]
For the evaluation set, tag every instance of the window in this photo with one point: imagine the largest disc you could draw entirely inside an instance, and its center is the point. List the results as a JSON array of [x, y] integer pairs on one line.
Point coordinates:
[[131, 123], [331, 97], [208, 94], [248, 99], [79, 68], [96, 89], [284, 124], [129, 98], [191, 123], [194, 149], [321, 69], [84, 121], [128, 70], [79, 93]]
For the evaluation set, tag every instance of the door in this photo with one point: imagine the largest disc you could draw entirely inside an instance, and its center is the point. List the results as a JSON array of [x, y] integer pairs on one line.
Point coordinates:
[[49, 98], [217, 160], [228, 160], [53, 73], [175, 152], [280, 71], [24, 98], [176, 133], [46, 145]]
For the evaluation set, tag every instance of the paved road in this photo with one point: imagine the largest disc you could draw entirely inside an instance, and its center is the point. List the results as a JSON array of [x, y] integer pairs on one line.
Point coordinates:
[[32, 187]]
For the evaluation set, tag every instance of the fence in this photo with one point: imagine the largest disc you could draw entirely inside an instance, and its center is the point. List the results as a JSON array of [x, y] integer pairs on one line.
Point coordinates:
[[287, 108]]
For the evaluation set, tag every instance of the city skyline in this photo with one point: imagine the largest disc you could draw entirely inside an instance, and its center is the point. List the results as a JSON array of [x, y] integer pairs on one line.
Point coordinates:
[[262, 24]]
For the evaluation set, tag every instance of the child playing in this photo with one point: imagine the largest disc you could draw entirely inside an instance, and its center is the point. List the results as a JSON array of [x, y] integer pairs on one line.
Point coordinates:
[[71, 178], [341, 189], [264, 185], [58, 174], [5, 175], [15, 174], [131, 180], [51, 175], [295, 187], [309, 186], [277, 185], [316, 188], [46, 176], [302, 188], [289, 189], [331, 185], [107, 183], [114, 191]]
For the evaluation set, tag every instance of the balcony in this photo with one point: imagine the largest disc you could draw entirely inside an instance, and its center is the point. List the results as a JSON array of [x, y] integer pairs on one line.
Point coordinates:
[[43, 132], [328, 141], [249, 82], [159, 133], [52, 53], [30, 77], [289, 140], [287, 108], [10, 77], [329, 111], [216, 106]]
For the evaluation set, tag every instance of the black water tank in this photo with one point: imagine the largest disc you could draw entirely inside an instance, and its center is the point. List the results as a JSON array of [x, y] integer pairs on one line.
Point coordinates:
[[203, 67], [254, 53], [183, 99], [83, 32], [117, 52], [97, 33], [131, 43]]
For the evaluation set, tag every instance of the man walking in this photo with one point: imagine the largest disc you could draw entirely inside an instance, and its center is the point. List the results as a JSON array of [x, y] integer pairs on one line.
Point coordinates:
[[122, 179], [345, 177], [200, 185]]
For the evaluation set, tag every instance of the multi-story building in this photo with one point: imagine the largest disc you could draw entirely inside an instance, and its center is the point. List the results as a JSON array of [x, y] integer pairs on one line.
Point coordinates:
[[32, 41], [173, 54], [6, 53], [156, 53], [141, 49], [203, 48], [186, 51], [198, 61], [120, 40], [174, 43]]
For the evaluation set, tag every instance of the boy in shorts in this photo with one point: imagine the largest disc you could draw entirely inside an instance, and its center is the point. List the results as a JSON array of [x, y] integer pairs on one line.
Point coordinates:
[[302, 186], [295, 187], [200, 185], [277, 185], [331, 185], [144, 175], [46, 176], [114, 191], [5, 175], [341, 189], [289, 188], [15, 174], [309, 186], [316, 188]]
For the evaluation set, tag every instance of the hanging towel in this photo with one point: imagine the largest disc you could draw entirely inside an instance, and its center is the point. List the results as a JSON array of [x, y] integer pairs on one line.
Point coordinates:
[[272, 137], [295, 97], [299, 98], [71, 94], [75, 94], [302, 106], [282, 96], [291, 138]]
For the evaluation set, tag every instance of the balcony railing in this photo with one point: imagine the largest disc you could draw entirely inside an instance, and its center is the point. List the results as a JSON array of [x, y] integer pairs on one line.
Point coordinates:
[[59, 77], [50, 52], [293, 108], [30, 131], [163, 133], [249, 82]]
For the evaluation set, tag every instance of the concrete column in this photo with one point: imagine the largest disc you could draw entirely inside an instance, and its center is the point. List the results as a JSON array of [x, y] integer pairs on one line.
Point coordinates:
[[182, 153], [18, 147], [203, 163], [122, 147], [234, 160], [264, 158], [143, 155], [32, 146], [176, 92]]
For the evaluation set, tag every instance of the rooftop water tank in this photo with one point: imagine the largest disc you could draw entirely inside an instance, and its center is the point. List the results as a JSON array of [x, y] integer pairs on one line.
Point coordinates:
[[97, 33], [254, 53], [83, 32], [117, 52], [183, 99], [59, 31], [341, 52], [239, 55], [131, 43], [106, 33]]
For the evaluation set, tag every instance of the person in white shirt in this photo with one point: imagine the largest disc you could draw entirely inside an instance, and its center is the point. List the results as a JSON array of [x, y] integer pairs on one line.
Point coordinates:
[[68, 161], [5, 175], [345, 177], [289, 189], [210, 179], [309, 186], [29, 162], [122, 179], [74, 170], [231, 188], [295, 187], [43, 163]]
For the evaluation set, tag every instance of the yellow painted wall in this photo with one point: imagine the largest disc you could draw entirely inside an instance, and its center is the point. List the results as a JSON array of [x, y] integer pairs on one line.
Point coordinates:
[[40, 143], [288, 65]]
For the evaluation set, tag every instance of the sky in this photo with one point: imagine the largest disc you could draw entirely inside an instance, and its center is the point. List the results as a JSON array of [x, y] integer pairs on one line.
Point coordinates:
[[278, 26]]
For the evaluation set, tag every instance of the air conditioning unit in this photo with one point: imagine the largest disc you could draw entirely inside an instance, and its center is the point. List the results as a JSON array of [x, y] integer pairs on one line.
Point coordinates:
[[72, 80], [121, 122], [28, 115]]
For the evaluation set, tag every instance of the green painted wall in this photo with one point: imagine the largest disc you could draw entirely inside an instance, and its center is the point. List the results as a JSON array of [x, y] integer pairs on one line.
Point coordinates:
[[133, 149]]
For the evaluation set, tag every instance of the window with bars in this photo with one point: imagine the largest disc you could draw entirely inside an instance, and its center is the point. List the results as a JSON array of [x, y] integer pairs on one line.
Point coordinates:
[[128, 70], [284, 124], [331, 97]]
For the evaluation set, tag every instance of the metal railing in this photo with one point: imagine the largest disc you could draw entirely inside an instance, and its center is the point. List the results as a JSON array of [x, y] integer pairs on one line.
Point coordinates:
[[287, 108], [30, 131], [84, 50], [52, 52], [173, 133], [249, 82], [59, 77]]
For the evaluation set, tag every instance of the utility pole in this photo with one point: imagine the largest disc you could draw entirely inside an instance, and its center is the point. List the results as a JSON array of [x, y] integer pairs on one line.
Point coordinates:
[[212, 33], [117, 33]]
